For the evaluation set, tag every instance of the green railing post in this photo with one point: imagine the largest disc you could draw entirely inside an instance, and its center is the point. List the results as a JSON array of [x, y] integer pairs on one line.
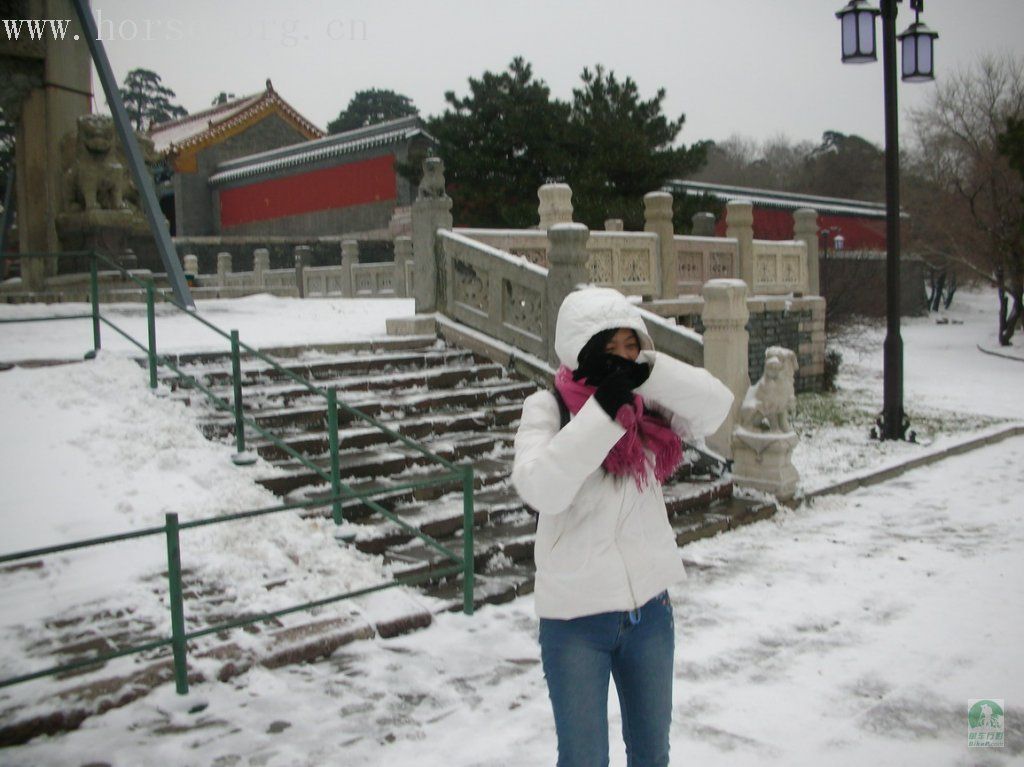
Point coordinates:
[[236, 380], [467, 540], [94, 296], [151, 321], [332, 436], [177, 606]]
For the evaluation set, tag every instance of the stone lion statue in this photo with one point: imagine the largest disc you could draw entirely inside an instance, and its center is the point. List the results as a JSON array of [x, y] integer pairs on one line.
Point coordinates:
[[95, 174], [432, 184], [766, 405]]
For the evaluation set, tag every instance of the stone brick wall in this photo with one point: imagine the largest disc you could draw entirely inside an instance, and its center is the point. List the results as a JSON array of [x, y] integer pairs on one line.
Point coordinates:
[[795, 323], [854, 284]]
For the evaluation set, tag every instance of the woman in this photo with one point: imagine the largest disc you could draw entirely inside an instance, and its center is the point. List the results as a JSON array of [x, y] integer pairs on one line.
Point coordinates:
[[605, 551]]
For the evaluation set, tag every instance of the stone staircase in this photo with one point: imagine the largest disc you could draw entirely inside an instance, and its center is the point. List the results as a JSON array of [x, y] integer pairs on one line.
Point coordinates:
[[458, 404], [463, 408]]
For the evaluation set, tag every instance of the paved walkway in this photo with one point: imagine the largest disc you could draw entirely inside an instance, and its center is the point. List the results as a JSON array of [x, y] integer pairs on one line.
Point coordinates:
[[850, 632]]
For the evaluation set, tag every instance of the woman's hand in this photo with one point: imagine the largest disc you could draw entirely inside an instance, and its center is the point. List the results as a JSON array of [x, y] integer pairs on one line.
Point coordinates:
[[617, 387]]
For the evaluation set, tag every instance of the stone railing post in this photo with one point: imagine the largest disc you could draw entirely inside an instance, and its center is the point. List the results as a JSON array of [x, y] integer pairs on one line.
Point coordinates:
[[403, 255], [223, 268], [703, 224], [805, 228], [614, 225], [349, 258], [555, 205], [431, 211], [260, 264], [567, 256], [303, 256], [726, 344], [191, 265], [658, 219], [739, 223]]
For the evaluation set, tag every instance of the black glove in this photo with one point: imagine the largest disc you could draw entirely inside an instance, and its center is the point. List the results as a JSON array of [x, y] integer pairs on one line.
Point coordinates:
[[597, 366], [616, 389], [639, 372]]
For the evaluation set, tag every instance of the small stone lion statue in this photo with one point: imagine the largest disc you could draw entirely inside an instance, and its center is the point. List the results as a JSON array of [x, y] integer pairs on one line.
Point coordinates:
[[95, 174], [766, 405], [432, 184]]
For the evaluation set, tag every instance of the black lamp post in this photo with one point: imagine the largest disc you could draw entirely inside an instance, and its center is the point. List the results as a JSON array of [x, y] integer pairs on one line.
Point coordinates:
[[858, 28]]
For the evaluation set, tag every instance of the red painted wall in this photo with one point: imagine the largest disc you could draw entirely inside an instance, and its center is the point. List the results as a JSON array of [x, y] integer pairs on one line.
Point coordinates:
[[343, 186], [859, 233]]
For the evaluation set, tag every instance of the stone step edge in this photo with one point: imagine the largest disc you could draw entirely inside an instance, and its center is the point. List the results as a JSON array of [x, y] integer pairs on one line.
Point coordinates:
[[408, 342], [305, 642], [302, 643]]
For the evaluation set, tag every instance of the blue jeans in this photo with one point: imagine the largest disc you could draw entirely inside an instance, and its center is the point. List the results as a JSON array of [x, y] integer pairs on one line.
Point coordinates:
[[636, 650]]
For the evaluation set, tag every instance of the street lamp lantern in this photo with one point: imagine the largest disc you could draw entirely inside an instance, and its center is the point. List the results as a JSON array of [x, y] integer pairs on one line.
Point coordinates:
[[857, 19], [918, 52], [858, 23]]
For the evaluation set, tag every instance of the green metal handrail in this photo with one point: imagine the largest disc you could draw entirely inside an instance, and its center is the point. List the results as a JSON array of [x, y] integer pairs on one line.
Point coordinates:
[[180, 637], [340, 491]]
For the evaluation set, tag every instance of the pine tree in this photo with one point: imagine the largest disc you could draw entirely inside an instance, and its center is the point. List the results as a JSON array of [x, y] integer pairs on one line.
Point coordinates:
[[147, 100], [501, 142], [371, 107], [508, 136], [623, 148]]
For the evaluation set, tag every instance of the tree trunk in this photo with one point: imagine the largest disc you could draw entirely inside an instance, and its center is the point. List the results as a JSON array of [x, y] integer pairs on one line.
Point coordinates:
[[1011, 306], [1016, 316], [950, 290]]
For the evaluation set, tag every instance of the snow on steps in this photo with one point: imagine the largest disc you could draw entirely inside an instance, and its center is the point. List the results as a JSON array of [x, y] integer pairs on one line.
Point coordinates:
[[63, 703], [460, 406]]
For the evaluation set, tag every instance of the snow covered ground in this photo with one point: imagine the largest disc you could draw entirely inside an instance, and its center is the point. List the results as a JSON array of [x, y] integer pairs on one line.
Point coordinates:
[[850, 631]]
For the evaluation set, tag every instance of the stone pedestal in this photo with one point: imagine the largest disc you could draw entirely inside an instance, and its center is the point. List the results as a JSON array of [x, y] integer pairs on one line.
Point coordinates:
[[739, 223], [658, 219], [303, 258], [103, 231], [431, 211], [726, 343], [805, 228], [403, 256], [555, 205], [223, 268], [567, 256], [260, 266], [703, 225], [764, 461], [190, 263], [349, 258]]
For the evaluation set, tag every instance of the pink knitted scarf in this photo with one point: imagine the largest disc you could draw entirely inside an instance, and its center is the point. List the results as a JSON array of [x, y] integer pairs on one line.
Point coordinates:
[[627, 457]]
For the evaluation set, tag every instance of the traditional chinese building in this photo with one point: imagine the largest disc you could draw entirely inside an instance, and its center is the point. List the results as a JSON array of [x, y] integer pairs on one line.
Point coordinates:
[[344, 183], [851, 225], [851, 245], [193, 147]]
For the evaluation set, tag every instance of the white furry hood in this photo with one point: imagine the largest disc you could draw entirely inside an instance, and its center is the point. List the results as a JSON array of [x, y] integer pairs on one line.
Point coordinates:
[[587, 312]]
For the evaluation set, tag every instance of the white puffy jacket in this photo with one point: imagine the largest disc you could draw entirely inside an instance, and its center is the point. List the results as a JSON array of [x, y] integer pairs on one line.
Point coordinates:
[[603, 545]]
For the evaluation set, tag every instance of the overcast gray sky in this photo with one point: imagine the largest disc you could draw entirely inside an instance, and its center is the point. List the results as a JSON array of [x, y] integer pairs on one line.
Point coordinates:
[[757, 68]]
